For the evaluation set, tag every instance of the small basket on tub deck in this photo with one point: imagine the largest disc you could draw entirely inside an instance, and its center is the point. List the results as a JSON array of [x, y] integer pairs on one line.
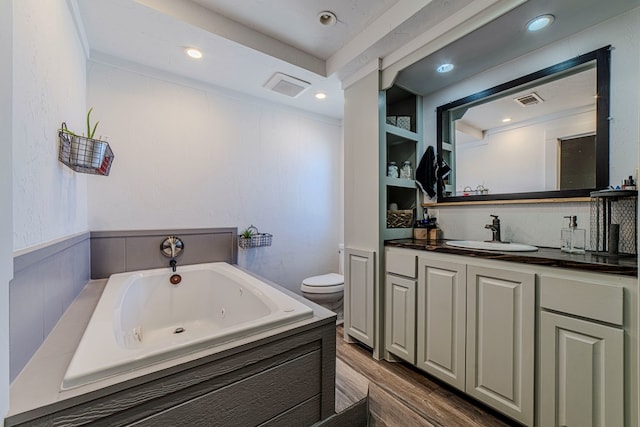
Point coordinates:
[[252, 238]]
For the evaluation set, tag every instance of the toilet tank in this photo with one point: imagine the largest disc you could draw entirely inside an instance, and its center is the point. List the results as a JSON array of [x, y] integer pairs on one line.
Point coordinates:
[[341, 258]]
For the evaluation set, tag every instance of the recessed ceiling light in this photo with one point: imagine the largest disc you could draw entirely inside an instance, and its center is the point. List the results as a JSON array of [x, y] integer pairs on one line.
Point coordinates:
[[194, 53], [327, 18], [540, 22], [444, 68], [320, 95], [506, 120]]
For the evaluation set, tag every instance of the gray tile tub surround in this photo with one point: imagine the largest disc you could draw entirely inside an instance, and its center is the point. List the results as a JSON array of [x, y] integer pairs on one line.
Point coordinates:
[[46, 280], [121, 251]]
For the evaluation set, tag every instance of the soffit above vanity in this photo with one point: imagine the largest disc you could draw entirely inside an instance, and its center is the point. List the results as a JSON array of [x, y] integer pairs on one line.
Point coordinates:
[[506, 38]]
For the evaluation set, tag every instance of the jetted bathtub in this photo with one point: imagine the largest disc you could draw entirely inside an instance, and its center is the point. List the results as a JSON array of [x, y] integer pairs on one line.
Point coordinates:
[[143, 318]]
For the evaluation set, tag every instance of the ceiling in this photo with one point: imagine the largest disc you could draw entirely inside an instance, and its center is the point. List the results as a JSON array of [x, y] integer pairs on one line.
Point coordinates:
[[569, 95], [245, 42], [506, 38]]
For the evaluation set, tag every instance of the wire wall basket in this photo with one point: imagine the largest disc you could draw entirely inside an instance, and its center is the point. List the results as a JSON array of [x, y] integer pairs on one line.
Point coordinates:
[[83, 154], [614, 222], [256, 239]]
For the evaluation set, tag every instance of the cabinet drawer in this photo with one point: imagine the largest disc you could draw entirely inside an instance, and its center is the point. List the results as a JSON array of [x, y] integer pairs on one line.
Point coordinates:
[[403, 263], [597, 301]]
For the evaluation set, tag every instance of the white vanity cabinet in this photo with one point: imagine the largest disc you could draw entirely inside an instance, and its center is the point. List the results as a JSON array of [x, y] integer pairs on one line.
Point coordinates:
[[581, 353], [475, 328], [441, 330], [400, 323], [501, 339], [543, 345], [476, 331], [359, 289], [400, 304]]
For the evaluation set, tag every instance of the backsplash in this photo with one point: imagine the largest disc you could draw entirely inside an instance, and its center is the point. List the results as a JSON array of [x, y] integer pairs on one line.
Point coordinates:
[[535, 224], [119, 251]]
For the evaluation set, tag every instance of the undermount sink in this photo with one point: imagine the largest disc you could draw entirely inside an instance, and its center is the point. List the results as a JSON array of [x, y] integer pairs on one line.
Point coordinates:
[[492, 246]]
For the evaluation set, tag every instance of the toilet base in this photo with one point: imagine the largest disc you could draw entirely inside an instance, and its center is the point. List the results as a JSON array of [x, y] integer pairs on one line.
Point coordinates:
[[333, 302]]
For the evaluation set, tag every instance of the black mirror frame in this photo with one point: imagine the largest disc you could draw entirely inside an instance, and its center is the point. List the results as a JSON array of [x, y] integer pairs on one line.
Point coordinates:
[[602, 57]]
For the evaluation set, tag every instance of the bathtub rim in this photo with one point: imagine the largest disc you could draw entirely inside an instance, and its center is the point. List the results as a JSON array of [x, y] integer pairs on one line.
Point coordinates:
[[48, 365], [114, 359]]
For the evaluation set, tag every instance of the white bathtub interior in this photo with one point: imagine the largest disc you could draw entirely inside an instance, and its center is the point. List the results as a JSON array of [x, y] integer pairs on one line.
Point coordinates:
[[141, 318]]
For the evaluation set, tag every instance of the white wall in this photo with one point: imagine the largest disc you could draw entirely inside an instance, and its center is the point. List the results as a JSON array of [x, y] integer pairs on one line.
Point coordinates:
[[195, 156], [527, 155], [362, 165], [538, 224], [49, 68], [6, 221]]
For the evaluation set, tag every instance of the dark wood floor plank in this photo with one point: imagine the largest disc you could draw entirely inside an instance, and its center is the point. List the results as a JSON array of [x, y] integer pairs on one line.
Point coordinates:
[[351, 386], [430, 400], [386, 410]]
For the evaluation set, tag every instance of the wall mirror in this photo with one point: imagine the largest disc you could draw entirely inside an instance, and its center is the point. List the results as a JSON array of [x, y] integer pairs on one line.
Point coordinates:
[[543, 135]]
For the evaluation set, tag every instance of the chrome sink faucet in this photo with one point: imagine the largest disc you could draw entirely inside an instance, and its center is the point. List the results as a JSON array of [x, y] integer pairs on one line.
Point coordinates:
[[495, 228]]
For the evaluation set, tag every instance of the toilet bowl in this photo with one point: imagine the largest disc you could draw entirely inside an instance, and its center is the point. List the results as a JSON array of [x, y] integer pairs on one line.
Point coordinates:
[[327, 290]]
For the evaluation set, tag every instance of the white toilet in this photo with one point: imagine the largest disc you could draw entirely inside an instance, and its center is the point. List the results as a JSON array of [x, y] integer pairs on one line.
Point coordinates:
[[327, 289]]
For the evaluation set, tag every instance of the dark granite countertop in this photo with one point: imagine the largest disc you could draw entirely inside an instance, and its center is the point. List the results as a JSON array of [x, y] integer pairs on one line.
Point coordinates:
[[550, 257]]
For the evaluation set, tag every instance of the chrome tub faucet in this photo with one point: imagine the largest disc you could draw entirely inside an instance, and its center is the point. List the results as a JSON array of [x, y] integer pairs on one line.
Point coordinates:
[[171, 247]]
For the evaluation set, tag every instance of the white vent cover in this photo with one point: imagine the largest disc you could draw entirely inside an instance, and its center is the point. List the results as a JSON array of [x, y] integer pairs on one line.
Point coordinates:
[[529, 99], [286, 85]]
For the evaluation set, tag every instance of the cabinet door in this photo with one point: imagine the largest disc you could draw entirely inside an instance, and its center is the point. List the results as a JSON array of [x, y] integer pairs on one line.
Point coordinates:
[[400, 317], [441, 320], [500, 340], [581, 373], [359, 283]]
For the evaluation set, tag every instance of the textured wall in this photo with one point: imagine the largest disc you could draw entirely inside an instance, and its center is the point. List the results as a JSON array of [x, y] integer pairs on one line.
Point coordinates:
[[190, 156], [6, 261], [49, 200], [536, 224]]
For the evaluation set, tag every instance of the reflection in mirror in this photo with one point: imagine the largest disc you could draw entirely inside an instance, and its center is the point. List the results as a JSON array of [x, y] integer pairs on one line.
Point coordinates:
[[543, 135]]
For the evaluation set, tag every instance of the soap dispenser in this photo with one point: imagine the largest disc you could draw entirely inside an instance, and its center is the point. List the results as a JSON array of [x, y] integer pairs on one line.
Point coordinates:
[[573, 238]]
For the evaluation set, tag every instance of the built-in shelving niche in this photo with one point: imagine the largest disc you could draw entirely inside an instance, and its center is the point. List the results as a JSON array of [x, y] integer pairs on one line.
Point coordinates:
[[400, 140]]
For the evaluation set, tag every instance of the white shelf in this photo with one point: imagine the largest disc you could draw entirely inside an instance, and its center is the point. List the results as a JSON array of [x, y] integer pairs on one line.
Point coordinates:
[[398, 233], [399, 182], [403, 133]]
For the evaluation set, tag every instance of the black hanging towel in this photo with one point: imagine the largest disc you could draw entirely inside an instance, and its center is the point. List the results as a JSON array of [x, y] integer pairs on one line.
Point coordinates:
[[426, 173]]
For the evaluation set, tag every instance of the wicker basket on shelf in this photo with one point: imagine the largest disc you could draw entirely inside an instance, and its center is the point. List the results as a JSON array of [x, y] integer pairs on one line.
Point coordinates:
[[400, 218]]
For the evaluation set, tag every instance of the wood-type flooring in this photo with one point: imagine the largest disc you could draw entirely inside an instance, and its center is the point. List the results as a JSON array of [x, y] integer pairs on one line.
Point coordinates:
[[400, 395]]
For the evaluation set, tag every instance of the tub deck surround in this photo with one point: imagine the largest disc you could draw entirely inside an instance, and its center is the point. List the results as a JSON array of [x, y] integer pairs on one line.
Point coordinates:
[[142, 318], [550, 257], [305, 345]]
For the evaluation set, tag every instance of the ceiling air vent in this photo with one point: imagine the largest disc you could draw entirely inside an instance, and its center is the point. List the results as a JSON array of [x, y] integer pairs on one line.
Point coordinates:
[[529, 99], [286, 85]]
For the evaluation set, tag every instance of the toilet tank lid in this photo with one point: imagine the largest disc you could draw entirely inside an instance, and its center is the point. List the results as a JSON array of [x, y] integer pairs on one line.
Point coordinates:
[[331, 279]]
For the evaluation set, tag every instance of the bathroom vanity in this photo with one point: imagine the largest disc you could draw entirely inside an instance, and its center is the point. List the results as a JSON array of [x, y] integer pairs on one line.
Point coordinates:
[[546, 338]]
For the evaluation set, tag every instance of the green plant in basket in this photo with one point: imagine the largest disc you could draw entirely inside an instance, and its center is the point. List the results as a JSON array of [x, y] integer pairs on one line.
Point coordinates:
[[247, 233], [91, 131], [85, 153]]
